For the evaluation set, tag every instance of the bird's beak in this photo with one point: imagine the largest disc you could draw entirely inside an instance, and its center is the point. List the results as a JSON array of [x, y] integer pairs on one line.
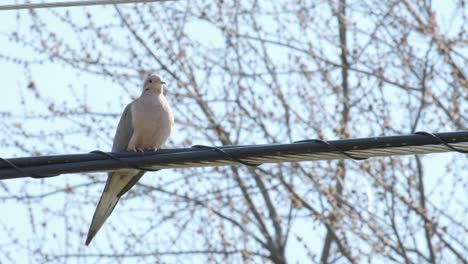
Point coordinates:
[[163, 82]]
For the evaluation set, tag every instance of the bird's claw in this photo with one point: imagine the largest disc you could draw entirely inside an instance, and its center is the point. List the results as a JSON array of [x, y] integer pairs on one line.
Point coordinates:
[[144, 149], [151, 149]]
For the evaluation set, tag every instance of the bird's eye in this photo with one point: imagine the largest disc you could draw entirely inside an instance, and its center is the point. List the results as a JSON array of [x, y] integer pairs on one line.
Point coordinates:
[[150, 81]]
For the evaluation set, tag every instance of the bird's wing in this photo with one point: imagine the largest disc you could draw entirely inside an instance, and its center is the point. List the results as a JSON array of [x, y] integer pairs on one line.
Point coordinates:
[[121, 140], [124, 131], [117, 183]]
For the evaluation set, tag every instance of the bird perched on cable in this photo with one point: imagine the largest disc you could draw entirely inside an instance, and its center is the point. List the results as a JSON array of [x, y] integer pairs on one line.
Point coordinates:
[[145, 124]]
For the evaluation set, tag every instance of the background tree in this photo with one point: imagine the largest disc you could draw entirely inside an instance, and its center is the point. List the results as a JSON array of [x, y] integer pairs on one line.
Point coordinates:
[[244, 72]]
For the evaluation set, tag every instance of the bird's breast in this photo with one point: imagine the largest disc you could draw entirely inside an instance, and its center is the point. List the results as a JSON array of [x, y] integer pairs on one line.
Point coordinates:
[[152, 122]]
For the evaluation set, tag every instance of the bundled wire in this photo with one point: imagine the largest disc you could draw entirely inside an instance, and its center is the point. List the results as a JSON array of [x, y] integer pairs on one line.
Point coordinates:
[[250, 155]]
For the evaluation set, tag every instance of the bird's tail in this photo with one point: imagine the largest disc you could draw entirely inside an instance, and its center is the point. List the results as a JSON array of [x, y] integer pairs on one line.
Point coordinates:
[[104, 208]]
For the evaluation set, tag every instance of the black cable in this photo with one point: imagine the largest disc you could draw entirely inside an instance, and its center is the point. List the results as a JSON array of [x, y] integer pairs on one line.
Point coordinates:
[[121, 161], [48, 166], [35, 176], [227, 155], [23, 172]]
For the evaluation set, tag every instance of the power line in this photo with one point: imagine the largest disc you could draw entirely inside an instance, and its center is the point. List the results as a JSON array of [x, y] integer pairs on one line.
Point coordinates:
[[309, 150], [73, 3]]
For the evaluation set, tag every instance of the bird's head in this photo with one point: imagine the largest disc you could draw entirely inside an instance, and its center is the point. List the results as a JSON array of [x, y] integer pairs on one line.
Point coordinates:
[[154, 84]]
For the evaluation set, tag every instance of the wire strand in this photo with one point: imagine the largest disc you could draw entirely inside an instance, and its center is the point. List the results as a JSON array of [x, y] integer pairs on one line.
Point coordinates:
[[440, 141], [73, 3], [332, 147], [225, 154]]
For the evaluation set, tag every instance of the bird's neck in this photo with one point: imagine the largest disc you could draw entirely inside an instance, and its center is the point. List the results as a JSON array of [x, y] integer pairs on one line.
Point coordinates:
[[151, 93]]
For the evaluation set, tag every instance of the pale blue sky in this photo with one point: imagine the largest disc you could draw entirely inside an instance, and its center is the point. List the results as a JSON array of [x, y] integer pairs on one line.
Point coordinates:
[[102, 95]]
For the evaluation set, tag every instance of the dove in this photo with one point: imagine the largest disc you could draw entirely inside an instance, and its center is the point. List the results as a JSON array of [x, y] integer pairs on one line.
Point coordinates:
[[145, 124]]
